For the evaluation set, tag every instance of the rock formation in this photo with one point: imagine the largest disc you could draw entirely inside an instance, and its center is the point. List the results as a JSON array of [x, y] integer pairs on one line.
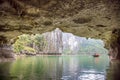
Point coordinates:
[[88, 18], [54, 41], [81, 45], [6, 52]]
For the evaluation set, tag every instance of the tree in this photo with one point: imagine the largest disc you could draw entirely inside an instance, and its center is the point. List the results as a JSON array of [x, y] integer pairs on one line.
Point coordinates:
[[22, 44], [40, 42], [30, 43]]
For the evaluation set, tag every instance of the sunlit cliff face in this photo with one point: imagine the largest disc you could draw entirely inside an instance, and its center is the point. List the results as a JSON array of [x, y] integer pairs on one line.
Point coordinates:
[[73, 44]]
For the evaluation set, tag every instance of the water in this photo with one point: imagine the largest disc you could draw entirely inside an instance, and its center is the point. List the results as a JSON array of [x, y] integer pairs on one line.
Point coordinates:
[[83, 67]]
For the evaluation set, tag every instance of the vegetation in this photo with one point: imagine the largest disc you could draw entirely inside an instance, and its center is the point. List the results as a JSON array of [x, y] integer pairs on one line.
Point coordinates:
[[85, 46], [29, 43], [91, 48], [40, 42]]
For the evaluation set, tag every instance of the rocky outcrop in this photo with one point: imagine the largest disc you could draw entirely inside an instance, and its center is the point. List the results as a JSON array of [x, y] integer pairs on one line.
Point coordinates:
[[81, 45], [114, 50], [54, 42], [6, 52], [113, 70]]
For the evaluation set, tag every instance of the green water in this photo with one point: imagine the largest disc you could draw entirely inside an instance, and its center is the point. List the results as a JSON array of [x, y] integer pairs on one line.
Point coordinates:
[[83, 67]]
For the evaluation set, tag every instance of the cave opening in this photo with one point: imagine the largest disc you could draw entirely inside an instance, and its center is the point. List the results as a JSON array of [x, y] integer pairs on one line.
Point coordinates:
[[57, 55], [97, 19], [57, 42]]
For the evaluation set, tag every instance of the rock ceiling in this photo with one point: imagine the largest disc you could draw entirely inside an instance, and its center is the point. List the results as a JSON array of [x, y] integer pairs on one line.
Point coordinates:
[[90, 18]]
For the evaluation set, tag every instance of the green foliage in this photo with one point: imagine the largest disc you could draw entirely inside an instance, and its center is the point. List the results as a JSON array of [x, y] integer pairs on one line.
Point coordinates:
[[18, 47], [40, 42], [29, 49], [23, 44], [92, 47], [28, 43]]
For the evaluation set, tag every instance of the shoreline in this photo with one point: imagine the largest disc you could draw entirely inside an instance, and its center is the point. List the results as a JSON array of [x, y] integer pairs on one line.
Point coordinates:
[[3, 59], [7, 59]]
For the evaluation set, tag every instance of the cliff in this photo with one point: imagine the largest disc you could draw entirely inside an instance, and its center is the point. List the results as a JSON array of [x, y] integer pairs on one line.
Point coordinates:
[[54, 42]]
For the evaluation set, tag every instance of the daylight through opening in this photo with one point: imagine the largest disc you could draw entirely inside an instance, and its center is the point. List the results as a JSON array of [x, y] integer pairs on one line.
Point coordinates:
[[57, 42]]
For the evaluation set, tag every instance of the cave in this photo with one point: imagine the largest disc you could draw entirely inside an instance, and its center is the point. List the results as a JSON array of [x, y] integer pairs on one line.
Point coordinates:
[[95, 19], [99, 19], [57, 42]]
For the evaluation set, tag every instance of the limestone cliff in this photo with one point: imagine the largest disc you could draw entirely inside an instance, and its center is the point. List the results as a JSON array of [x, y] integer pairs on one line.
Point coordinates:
[[54, 41], [73, 44]]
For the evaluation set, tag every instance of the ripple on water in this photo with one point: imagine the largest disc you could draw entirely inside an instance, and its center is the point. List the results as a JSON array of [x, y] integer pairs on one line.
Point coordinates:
[[66, 77], [91, 77]]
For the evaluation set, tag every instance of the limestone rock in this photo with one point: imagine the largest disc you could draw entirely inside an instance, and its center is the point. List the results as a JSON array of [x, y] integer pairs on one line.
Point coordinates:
[[54, 41]]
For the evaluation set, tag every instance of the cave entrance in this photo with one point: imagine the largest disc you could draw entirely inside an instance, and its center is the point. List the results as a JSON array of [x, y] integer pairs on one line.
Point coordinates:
[[58, 55], [57, 42]]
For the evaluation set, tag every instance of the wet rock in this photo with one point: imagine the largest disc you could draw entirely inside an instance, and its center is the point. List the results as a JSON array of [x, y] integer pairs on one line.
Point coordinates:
[[6, 52]]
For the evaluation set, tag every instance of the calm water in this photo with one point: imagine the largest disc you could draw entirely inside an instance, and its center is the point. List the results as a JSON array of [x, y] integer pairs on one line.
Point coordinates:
[[55, 68]]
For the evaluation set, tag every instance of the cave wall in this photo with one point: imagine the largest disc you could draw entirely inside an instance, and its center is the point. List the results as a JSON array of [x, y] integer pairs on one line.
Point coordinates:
[[114, 45], [90, 18], [6, 52]]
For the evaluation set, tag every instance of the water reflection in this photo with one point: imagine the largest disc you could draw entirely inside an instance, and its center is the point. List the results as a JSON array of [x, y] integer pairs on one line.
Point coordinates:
[[37, 68], [56, 68], [92, 75], [84, 68]]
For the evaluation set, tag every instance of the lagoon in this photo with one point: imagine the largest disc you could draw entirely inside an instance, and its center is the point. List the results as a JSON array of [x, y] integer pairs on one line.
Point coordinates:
[[70, 67]]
